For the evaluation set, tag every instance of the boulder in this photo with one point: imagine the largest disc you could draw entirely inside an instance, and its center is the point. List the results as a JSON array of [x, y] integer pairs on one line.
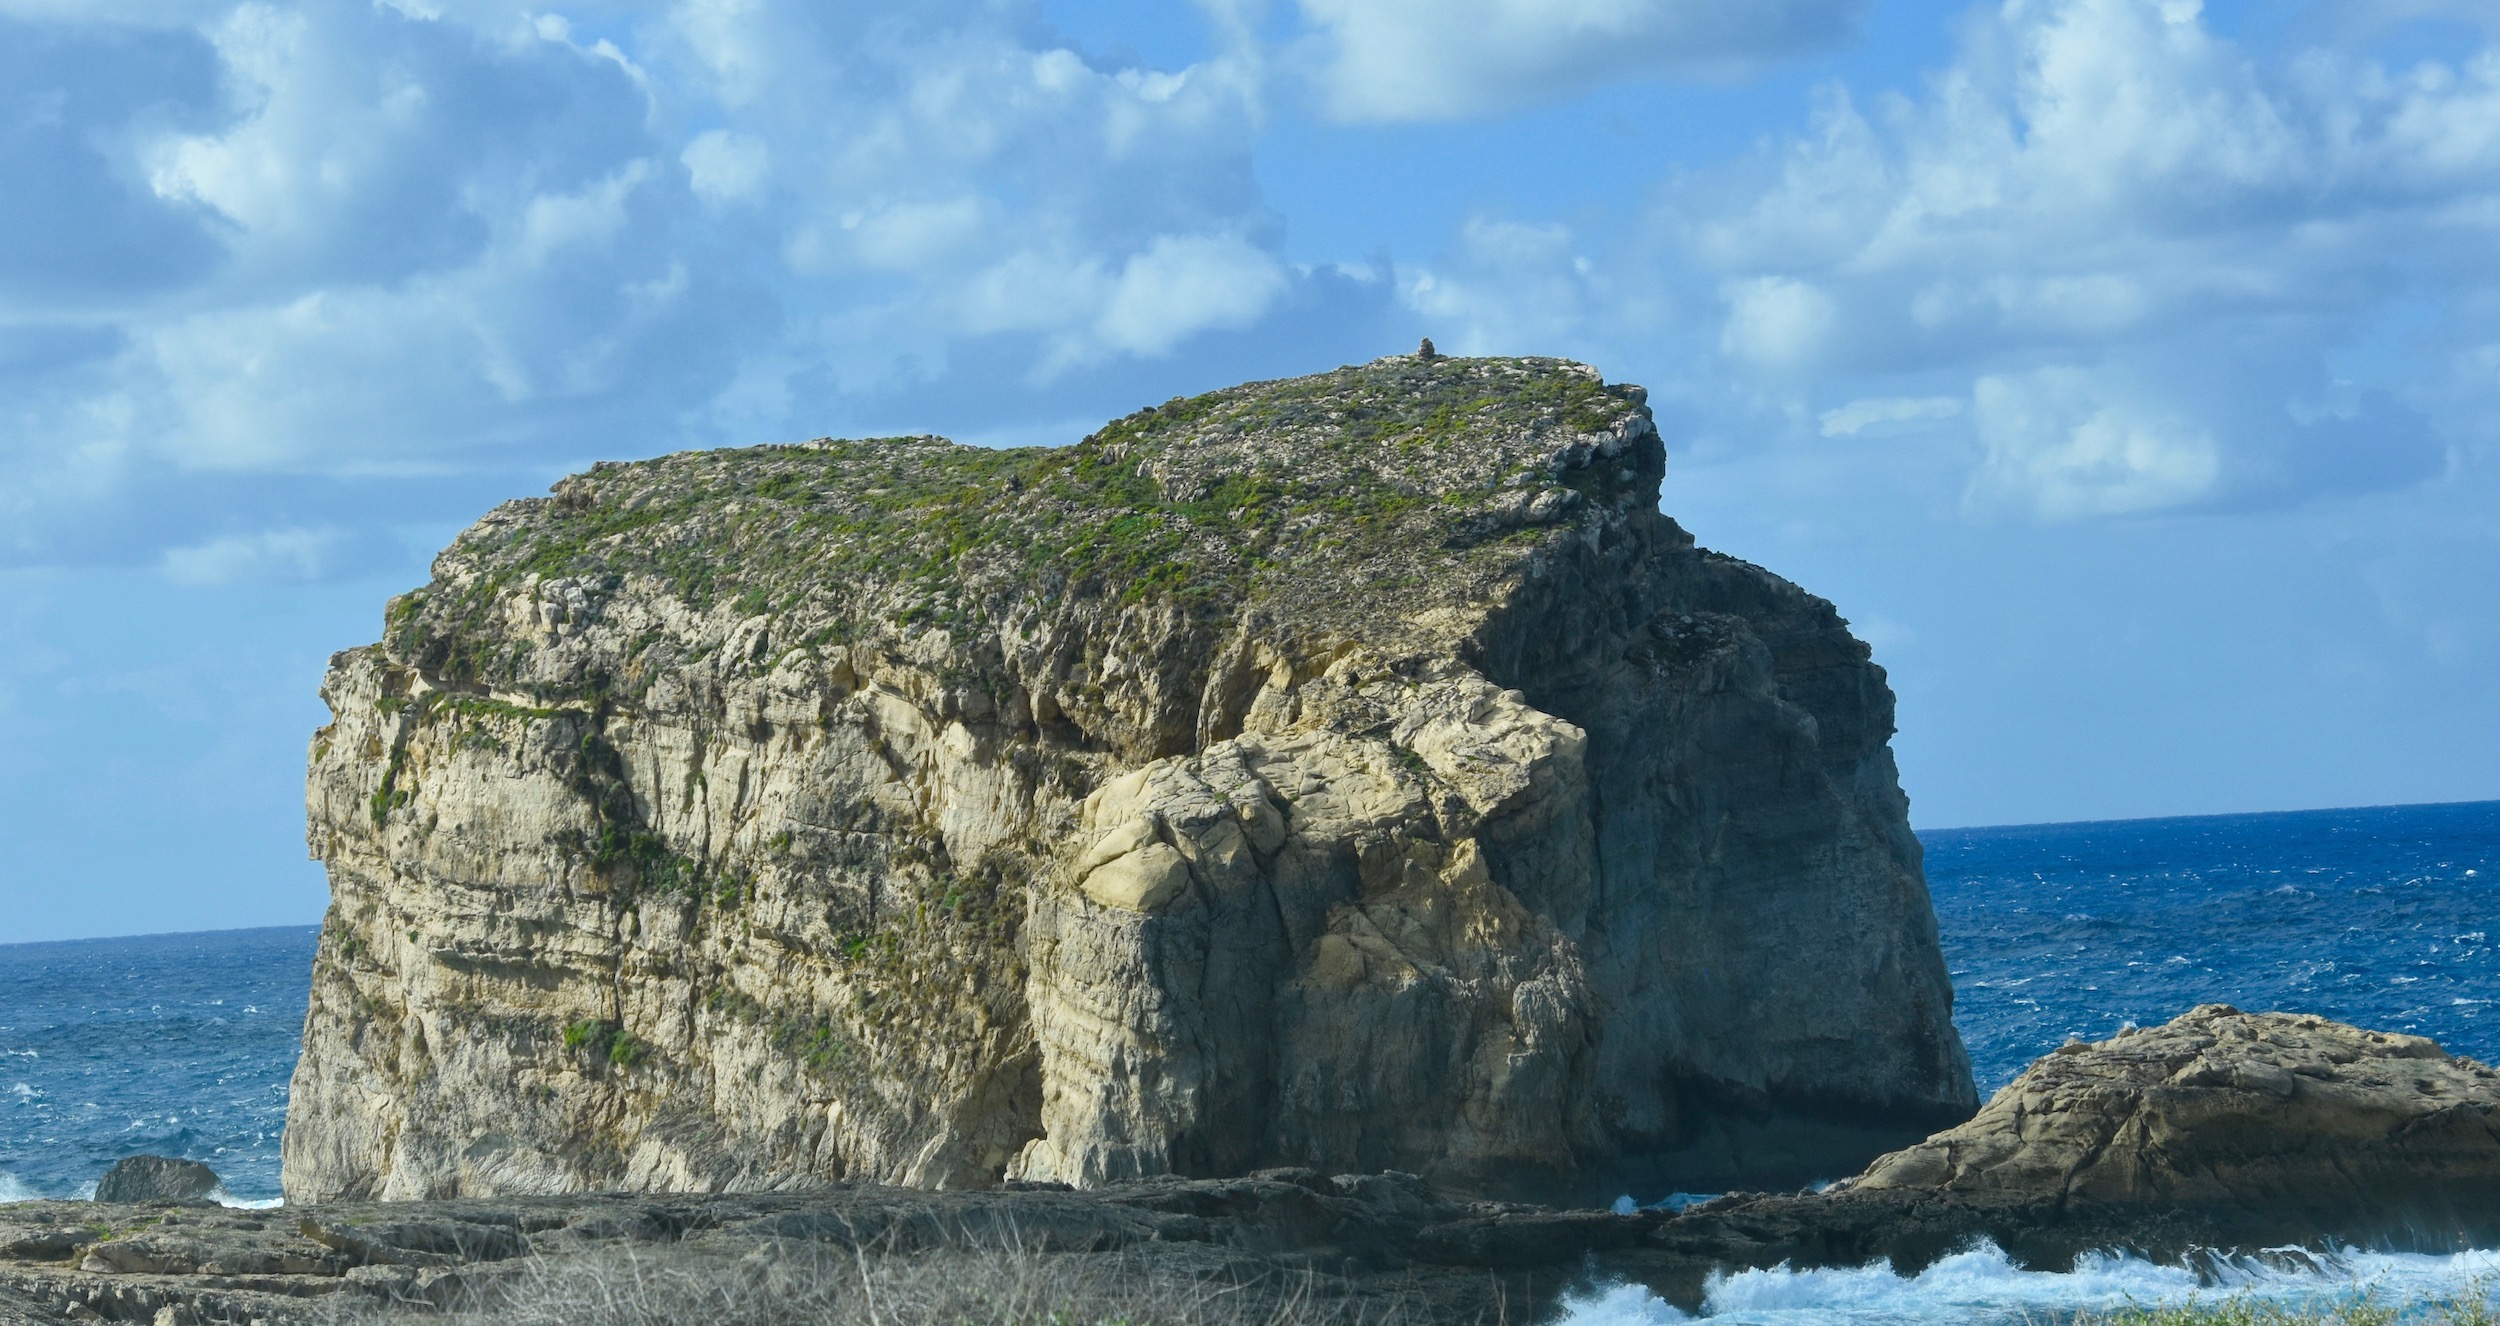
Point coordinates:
[[157, 1179], [2252, 1116]]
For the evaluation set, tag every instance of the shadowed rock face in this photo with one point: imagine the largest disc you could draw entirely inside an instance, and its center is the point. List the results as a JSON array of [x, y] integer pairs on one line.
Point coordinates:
[[1354, 771]]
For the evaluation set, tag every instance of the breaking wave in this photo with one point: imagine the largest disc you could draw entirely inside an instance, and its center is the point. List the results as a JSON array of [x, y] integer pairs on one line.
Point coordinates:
[[1983, 1287]]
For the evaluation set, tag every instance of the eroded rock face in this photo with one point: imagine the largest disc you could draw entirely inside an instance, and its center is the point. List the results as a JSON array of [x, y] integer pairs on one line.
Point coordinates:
[[1355, 772], [2276, 1112]]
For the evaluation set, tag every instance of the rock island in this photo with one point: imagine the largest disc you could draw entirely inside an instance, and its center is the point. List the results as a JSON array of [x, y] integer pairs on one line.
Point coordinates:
[[1356, 772]]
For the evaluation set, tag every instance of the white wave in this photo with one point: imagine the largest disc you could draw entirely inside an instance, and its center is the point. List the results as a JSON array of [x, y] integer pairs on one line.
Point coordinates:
[[1620, 1305], [12, 1190], [232, 1202], [1678, 1201], [1985, 1286]]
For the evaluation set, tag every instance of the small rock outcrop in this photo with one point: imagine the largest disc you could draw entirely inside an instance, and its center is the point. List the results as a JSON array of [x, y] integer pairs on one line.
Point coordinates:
[[157, 1179], [2280, 1115], [1356, 771]]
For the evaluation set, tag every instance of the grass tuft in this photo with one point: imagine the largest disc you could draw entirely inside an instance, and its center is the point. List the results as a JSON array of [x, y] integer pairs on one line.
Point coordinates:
[[1011, 1282]]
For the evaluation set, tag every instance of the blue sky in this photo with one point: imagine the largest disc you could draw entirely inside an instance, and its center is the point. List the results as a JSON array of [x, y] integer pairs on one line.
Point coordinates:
[[2126, 370]]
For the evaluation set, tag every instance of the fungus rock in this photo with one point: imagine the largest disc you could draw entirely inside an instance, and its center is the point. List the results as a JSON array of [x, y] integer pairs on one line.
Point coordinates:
[[1355, 772]]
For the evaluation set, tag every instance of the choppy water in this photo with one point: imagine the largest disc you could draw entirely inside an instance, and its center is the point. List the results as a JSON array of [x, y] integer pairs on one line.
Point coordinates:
[[182, 1044], [2380, 917], [2383, 918], [175, 1045]]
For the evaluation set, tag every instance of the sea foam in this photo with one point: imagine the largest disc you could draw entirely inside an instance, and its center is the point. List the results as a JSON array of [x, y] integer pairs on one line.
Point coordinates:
[[1983, 1287]]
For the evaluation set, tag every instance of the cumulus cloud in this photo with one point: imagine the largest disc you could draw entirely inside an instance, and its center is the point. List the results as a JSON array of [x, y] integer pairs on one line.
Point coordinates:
[[1507, 288], [725, 167], [2143, 247], [1388, 60], [1778, 322], [1182, 285], [2061, 441], [419, 238]]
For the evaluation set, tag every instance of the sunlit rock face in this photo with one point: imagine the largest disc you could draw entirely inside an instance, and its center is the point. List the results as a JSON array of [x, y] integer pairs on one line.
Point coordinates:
[[1355, 771]]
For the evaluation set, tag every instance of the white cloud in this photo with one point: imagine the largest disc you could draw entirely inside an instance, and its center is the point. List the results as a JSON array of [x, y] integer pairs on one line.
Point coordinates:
[[429, 237], [726, 167], [1881, 413], [2186, 234], [1184, 284], [1507, 288], [2060, 442], [1443, 59], [278, 554], [1778, 322]]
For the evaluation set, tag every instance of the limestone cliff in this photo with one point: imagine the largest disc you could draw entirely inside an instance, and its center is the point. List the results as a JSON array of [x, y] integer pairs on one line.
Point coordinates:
[[1356, 771]]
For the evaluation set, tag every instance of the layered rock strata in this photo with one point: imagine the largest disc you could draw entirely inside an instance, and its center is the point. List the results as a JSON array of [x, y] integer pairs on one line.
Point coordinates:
[[1355, 771]]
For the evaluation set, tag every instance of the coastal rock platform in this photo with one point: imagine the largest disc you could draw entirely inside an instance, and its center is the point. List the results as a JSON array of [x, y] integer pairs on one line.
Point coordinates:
[[1390, 1238]]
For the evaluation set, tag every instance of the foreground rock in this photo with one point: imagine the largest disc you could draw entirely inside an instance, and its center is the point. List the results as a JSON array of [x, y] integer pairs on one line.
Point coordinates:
[[2218, 1130], [1356, 772], [157, 1179], [1387, 1240], [2255, 1117]]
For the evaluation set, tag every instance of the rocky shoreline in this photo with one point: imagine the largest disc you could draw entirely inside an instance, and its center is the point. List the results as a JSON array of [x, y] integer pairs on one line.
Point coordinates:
[[2219, 1131]]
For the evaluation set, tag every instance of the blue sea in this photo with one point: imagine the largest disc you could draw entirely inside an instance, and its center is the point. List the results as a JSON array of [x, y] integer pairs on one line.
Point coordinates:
[[170, 1045], [2383, 917]]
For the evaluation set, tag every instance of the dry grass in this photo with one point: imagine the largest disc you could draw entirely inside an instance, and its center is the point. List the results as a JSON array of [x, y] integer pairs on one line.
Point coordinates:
[[814, 1285]]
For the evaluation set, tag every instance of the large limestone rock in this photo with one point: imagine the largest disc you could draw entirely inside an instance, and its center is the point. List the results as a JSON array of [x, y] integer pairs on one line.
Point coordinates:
[[1355, 771], [157, 1179], [2285, 1114]]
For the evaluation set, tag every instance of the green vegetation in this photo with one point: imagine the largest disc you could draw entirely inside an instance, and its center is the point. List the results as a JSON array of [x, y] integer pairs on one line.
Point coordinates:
[[920, 984], [1265, 491], [621, 843], [105, 1232], [816, 1041], [606, 1041], [390, 795], [347, 944]]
